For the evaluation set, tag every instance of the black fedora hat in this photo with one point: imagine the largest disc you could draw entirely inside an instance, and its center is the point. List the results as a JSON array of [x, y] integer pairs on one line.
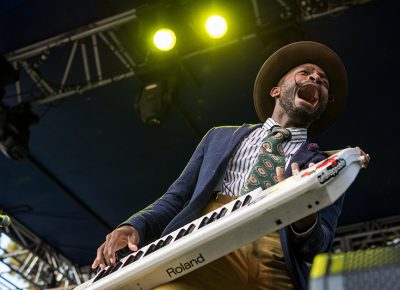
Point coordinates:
[[287, 58]]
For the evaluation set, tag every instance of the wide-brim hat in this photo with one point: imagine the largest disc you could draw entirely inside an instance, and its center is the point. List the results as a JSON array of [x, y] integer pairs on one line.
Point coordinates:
[[287, 58]]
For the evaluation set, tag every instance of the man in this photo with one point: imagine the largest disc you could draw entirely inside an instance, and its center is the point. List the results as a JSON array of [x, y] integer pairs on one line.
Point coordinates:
[[301, 87]]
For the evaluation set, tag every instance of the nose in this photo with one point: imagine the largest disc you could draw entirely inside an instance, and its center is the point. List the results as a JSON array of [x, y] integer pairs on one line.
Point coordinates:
[[315, 77]]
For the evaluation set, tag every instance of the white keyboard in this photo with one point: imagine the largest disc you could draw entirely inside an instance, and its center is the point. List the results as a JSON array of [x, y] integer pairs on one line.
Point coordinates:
[[225, 229]]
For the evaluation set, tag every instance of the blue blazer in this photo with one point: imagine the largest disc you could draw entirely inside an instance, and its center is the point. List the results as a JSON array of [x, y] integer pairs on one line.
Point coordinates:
[[187, 197]]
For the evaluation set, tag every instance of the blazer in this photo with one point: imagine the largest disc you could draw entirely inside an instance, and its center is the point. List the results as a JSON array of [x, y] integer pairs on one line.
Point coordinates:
[[187, 197]]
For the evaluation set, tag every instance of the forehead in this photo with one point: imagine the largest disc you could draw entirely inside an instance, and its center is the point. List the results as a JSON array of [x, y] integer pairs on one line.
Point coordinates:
[[308, 66]]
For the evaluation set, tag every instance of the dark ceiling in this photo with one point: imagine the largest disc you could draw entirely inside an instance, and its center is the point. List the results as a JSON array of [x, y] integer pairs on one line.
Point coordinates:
[[93, 162]]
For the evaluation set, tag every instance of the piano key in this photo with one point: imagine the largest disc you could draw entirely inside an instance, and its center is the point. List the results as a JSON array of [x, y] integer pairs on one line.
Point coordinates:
[[168, 240], [203, 222], [247, 199], [212, 218], [132, 258], [236, 205], [150, 249], [138, 255], [107, 272], [190, 229], [129, 260], [99, 275], [116, 267], [223, 211], [180, 234], [159, 244]]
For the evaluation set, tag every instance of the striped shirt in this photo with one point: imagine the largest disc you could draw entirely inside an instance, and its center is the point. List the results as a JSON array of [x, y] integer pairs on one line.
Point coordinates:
[[245, 156]]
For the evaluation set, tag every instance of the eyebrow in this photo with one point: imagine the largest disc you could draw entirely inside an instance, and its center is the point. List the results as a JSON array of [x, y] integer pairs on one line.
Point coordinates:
[[310, 68]]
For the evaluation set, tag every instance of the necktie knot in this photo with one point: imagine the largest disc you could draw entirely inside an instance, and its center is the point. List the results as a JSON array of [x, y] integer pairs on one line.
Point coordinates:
[[272, 143], [280, 134]]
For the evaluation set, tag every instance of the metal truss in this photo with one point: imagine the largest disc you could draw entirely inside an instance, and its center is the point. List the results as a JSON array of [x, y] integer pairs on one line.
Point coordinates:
[[87, 46], [32, 58], [34, 261], [370, 234]]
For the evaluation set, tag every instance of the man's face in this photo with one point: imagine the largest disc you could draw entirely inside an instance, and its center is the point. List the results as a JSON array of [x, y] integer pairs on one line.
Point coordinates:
[[304, 93]]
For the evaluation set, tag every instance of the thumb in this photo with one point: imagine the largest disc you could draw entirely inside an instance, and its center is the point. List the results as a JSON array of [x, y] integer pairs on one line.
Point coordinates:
[[132, 243]]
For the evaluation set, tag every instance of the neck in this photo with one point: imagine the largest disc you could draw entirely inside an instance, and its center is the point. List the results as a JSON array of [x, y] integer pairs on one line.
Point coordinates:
[[285, 121]]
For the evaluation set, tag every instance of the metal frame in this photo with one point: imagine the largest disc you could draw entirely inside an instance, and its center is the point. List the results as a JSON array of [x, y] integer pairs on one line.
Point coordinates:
[[369, 234], [84, 38], [39, 263], [79, 41]]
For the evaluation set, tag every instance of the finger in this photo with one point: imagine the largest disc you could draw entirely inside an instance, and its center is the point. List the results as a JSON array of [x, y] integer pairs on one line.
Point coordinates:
[[280, 174], [111, 249], [99, 258], [366, 158], [106, 250], [132, 244], [109, 256], [295, 168]]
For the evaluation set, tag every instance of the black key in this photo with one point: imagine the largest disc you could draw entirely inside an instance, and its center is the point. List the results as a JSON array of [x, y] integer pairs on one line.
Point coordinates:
[[222, 212], [99, 275], [180, 234], [129, 260], [213, 217], [116, 267], [247, 199], [138, 256], [236, 205], [150, 249], [203, 222], [108, 271], [190, 229], [132, 258], [159, 245], [168, 240]]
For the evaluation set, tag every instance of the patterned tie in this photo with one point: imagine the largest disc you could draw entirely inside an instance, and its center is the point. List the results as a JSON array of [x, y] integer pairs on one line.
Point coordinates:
[[270, 156]]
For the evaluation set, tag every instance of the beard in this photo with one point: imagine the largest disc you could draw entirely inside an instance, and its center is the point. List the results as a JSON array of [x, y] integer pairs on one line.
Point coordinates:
[[299, 115]]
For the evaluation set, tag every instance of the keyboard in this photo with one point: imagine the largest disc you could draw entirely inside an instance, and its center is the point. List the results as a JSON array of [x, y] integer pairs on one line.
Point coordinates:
[[237, 223]]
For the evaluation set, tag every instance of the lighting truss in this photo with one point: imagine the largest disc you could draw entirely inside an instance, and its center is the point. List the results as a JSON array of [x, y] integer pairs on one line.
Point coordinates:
[[31, 58], [369, 234], [35, 261], [88, 42]]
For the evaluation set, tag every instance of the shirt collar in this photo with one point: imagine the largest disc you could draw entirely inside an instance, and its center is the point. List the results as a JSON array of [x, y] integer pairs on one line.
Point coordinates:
[[298, 134]]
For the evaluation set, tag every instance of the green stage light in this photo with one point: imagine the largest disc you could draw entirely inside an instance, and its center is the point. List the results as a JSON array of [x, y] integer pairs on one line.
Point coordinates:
[[164, 39], [216, 26]]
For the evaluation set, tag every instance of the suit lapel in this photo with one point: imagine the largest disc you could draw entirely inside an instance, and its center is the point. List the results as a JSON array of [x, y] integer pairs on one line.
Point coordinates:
[[234, 142]]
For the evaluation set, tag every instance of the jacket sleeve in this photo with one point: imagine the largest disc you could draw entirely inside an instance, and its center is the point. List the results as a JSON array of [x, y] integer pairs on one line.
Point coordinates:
[[151, 221], [320, 239]]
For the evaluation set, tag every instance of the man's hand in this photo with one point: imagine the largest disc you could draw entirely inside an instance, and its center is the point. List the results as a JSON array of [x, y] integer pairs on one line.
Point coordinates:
[[116, 240], [307, 222], [365, 160]]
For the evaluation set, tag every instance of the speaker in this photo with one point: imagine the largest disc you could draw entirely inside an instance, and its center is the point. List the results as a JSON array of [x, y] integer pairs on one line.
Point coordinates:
[[377, 268]]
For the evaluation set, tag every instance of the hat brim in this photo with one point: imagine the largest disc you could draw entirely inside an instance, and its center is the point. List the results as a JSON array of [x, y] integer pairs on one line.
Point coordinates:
[[287, 58]]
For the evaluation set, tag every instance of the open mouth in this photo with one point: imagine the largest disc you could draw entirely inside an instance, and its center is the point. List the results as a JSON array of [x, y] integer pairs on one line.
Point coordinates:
[[309, 95]]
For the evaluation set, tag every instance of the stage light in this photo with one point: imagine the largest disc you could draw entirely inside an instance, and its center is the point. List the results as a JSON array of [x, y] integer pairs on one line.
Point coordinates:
[[164, 39], [152, 102], [216, 26], [14, 130]]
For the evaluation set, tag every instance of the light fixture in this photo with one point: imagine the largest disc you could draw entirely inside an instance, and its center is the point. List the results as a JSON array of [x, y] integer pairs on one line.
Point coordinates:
[[216, 26], [153, 101], [14, 130], [164, 39]]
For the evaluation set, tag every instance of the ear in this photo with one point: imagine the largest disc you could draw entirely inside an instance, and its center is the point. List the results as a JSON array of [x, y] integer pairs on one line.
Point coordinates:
[[275, 92]]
